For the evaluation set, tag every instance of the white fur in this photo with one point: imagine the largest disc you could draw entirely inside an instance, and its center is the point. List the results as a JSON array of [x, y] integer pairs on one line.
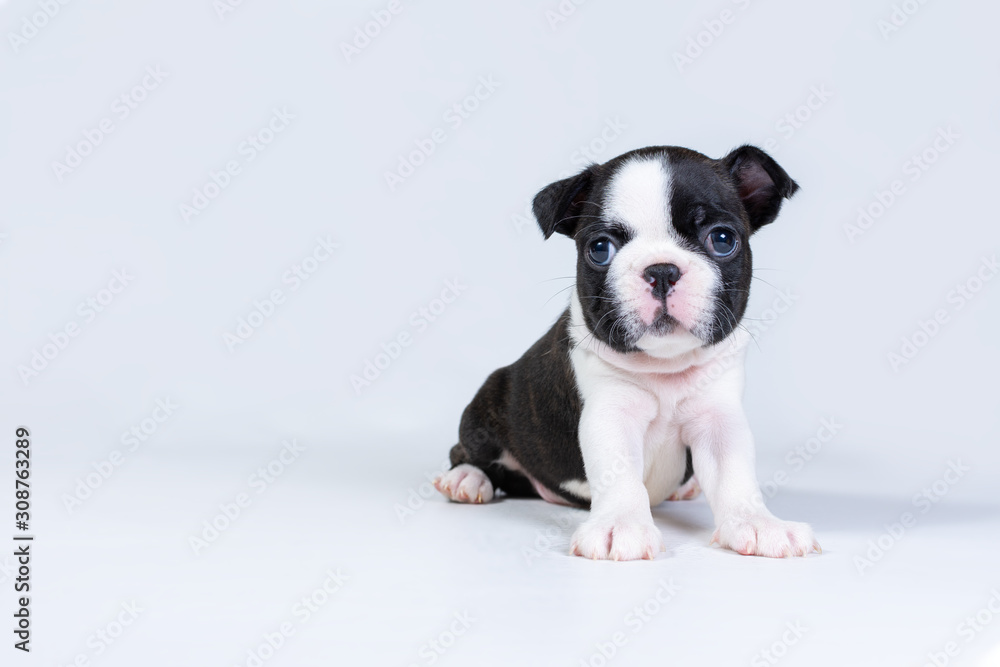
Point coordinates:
[[638, 198], [578, 487], [641, 409], [639, 413]]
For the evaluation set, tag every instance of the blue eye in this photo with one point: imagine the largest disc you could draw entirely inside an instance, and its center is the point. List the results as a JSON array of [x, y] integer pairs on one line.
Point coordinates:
[[722, 242], [601, 251]]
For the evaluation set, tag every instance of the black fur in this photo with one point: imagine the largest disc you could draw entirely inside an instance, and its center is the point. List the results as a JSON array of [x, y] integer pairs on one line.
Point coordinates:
[[531, 409]]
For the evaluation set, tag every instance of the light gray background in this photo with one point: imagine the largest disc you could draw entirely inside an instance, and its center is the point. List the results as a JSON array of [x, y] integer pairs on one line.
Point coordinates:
[[461, 217]]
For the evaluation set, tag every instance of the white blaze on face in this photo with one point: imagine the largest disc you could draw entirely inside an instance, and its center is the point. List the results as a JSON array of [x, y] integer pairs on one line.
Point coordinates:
[[638, 197]]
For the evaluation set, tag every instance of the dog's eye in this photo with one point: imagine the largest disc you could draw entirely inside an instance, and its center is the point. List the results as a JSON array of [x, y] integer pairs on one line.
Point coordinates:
[[722, 242], [601, 251]]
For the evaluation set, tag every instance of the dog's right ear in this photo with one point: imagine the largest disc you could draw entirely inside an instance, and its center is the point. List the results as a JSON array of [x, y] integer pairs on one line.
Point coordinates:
[[557, 207]]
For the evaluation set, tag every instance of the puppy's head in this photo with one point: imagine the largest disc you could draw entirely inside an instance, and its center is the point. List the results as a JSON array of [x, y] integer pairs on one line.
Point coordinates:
[[662, 236]]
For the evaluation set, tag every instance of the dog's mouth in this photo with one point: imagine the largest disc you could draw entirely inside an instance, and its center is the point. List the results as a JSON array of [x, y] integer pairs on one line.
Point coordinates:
[[624, 330], [663, 324]]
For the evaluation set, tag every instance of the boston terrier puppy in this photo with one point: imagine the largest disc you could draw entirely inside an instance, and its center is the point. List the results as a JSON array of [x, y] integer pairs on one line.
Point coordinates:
[[638, 385]]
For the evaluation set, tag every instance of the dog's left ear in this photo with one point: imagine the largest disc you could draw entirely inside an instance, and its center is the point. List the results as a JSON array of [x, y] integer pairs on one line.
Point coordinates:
[[558, 205], [761, 182]]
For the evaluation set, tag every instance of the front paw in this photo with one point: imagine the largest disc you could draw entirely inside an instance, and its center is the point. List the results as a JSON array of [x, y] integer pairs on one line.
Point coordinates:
[[617, 538], [764, 535]]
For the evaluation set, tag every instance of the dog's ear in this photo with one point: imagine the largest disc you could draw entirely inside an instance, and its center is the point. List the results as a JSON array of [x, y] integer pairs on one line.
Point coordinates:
[[761, 182], [557, 206]]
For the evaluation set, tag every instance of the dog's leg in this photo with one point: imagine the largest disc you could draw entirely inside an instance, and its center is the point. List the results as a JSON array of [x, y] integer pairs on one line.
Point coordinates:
[[723, 452], [612, 426], [477, 469]]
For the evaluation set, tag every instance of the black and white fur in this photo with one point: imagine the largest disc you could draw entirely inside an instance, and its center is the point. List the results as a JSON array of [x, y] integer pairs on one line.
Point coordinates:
[[639, 383]]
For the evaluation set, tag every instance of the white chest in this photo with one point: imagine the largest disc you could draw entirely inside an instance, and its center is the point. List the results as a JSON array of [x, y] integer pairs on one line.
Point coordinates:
[[664, 458]]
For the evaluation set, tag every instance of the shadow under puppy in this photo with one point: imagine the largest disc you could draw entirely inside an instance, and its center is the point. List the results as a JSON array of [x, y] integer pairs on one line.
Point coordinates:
[[641, 378]]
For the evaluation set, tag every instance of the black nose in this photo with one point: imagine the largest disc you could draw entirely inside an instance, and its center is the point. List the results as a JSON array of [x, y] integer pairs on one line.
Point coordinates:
[[662, 277]]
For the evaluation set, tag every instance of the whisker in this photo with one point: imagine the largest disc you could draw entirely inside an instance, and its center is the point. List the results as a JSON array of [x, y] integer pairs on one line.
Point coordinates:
[[731, 316], [764, 281], [558, 293], [593, 331]]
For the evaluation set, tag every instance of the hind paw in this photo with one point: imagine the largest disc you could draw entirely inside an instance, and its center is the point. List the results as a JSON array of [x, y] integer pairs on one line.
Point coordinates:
[[465, 484], [689, 490]]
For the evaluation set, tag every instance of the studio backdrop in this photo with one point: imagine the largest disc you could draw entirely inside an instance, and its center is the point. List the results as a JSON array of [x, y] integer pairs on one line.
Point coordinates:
[[257, 257]]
